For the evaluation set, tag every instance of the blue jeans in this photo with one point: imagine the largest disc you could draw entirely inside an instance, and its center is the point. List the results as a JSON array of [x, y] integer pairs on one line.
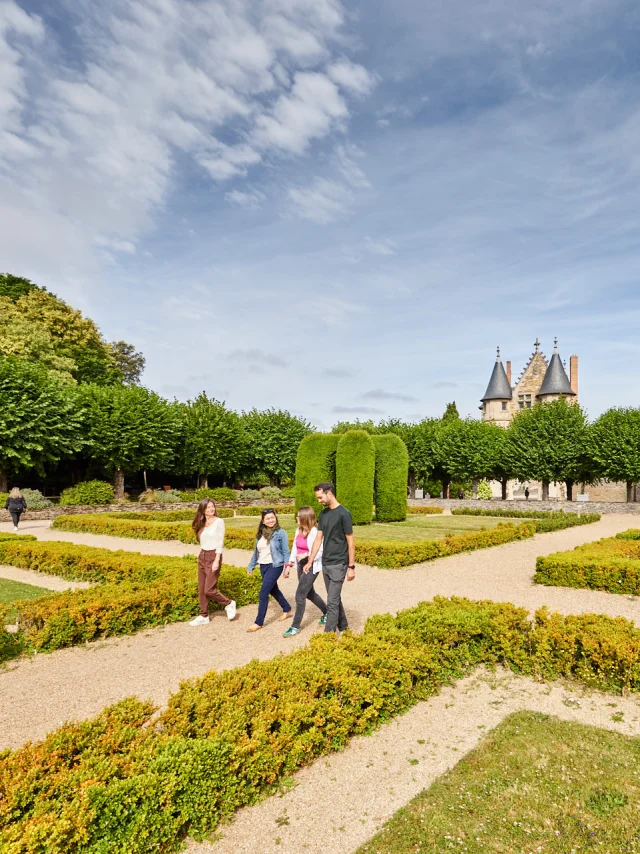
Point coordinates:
[[270, 575]]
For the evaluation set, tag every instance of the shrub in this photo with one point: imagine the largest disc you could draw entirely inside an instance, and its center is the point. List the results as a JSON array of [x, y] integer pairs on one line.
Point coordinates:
[[631, 534], [484, 490], [249, 494], [167, 496], [132, 592], [316, 462], [139, 527], [256, 511], [414, 510], [117, 783], [355, 470], [88, 492], [611, 564], [390, 483], [3, 498], [271, 493], [187, 495], [287, 492], [35, 499], [25, 538], [223, 493]]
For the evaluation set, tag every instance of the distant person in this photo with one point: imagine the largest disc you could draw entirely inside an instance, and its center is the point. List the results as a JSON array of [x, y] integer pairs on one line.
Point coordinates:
[[16, 505], [271, 553], [335, 537], [526, 494], [209, 530], [303, 541], [460, 494]]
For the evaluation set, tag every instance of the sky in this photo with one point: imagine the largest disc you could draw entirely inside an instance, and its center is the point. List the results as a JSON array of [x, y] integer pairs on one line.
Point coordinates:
[[336, 208]]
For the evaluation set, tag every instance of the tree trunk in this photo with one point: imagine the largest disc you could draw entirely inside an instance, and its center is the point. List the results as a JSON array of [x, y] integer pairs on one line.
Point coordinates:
[[412, 486], [629, 490], [118, 484], [4, 482], [569, 485], [545, 490], [446, 483], [503, 484], [144, 477], [203, 481], [474, 488]]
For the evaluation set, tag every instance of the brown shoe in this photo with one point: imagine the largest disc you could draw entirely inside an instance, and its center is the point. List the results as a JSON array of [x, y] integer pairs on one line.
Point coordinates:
[[254, 628], [286, 615]]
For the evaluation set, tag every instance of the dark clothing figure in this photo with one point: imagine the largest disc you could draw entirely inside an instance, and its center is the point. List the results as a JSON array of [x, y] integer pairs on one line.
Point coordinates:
[[16, 507], [526, 494], [460, 494]]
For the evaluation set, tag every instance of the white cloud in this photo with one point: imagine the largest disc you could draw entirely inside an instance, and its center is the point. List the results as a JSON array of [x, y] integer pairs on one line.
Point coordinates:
[[381, 394], [321, 202], [252, 200], [382, 246], [350, 76]]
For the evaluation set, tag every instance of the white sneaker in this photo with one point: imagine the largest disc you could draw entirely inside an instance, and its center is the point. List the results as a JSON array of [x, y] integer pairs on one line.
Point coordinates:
[[199, 621], [231, 610], [15, 529]]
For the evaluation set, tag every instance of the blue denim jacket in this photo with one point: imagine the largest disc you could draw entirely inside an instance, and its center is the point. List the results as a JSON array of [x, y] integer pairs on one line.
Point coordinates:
[[280, 552]]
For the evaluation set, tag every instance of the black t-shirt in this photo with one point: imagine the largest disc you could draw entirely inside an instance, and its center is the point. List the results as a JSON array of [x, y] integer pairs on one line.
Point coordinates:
[[335, 525]]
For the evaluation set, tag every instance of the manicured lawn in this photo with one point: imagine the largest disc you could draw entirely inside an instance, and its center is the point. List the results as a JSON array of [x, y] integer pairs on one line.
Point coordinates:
[[10, 591], [416, 528], [536, 784]]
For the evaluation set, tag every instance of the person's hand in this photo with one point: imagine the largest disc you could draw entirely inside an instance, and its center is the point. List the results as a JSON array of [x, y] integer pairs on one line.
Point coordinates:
[[351, 574], [307, 567], [249, 572], [289, 565], [285, 574]]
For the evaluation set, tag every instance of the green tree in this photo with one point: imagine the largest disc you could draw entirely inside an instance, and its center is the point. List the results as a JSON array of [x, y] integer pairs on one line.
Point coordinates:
[[614, 446], [467, 449], [129, 361], [451, 413], [40, 421], [14, 287], [129, 428], [273, 438], [214, 440], [548, 443]]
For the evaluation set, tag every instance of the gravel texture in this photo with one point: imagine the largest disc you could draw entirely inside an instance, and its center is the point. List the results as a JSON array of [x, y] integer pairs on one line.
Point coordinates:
[[78, 682], [39, 579], [340, 801]]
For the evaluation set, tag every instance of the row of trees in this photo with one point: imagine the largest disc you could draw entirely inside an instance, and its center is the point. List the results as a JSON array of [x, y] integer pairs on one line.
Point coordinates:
[[550, 442], [127, 428]]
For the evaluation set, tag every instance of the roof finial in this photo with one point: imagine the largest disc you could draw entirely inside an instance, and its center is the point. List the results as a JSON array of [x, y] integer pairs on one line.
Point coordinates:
[[498, 355], [537, 345], [555, 345]]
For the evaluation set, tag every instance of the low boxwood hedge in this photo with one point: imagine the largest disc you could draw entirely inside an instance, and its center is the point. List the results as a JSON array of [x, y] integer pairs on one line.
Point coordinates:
[[132, 781], [8, 537], [611, 564], [256, 511], [132, 592], [416, 510]]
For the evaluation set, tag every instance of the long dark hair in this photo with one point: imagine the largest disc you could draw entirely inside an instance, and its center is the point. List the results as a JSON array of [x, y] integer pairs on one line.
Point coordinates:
[[200, 520], [263, 530]]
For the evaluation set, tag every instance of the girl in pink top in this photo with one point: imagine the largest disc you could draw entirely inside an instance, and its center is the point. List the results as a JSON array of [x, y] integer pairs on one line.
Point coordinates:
[[303, 541]]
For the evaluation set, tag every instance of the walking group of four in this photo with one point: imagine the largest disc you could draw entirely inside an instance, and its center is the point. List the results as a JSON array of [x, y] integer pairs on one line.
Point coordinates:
[[320, 545]]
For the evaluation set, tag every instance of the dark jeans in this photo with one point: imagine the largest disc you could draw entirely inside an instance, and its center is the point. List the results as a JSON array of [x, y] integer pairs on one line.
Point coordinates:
[[270, 575], [305, 591], [334, 576], [15, 515]]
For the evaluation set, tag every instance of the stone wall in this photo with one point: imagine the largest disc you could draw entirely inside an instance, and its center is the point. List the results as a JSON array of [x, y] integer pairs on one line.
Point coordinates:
[[57, 510], [567, 506]]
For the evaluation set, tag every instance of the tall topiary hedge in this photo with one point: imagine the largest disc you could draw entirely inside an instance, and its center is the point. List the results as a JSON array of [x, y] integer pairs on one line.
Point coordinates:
[[316, 462], [355, 468], [392, 472]]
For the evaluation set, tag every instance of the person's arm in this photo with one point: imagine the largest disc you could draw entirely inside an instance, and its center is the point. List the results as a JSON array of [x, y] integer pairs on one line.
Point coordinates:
[[285, 546], [219, 543], [351, 573], [293, 556], [6, 504], [253, 561], [313, 554]]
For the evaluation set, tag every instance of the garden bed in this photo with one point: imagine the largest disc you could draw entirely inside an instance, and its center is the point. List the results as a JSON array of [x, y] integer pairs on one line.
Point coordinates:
[[611, 564]]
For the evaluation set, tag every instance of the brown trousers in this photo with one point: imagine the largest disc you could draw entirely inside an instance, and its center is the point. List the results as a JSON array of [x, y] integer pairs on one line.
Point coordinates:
[[208, 582]]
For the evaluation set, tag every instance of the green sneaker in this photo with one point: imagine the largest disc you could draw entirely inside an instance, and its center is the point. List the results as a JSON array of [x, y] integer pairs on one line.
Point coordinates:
[[322, 621], [291, 631]]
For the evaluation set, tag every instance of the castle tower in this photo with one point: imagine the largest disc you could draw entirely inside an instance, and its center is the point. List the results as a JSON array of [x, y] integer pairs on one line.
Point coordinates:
[[556, 383], [497, 398]]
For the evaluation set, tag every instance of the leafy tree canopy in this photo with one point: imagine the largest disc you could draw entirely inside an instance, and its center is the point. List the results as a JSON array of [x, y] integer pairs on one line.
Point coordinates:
[[129, 361], [214, 439], [451, 412], [614, 444], [14, 287], [273, 437], [468, 449]]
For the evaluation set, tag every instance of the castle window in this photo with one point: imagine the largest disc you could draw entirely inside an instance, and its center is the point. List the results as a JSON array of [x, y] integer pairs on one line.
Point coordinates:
[[524, 401], [504, 406]]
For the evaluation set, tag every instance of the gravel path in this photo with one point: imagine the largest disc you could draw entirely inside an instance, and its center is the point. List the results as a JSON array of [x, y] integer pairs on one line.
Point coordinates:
[[340, 801], [39, 579], [80, 681]]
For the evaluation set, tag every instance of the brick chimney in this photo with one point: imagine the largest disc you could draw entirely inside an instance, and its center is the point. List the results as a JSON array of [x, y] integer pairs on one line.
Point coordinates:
[[573, 374], [509, 372]]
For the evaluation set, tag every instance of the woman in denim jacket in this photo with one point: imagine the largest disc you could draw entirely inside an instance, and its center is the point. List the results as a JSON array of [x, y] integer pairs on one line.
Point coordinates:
[[271, 553]]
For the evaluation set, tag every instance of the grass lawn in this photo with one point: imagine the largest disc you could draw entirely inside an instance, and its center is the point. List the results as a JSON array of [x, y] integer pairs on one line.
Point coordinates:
[[10, 591], [416, 528], [536, 784]]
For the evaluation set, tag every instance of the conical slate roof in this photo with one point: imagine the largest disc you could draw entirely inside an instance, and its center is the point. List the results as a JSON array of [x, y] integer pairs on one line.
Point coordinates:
[[555, 380], [499, 387]]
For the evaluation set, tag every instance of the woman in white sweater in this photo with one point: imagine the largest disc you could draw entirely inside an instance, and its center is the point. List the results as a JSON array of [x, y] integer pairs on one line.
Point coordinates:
[[209, 531]]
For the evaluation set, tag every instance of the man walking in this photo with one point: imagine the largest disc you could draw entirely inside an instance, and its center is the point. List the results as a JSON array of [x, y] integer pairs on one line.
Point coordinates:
[[335, 533]]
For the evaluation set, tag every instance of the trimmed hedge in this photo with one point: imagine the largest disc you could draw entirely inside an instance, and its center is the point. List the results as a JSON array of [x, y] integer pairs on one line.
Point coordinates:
[[391, 474], [355, 470], [132, 592], [25, 538], [117, 783], [611, 564], [521, 514], [88, 492], [279, 508], [315, 463], [631, 534], [427, 510]]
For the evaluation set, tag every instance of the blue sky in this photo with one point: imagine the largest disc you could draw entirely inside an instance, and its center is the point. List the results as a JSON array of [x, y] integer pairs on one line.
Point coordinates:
[[339, 208]]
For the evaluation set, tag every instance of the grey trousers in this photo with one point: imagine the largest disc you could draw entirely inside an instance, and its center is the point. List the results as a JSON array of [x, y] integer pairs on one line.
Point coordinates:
[[305, 591], [334, 575]]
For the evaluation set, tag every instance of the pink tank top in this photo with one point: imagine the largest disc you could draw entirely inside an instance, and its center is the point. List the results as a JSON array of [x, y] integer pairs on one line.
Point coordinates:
[[301, 543]]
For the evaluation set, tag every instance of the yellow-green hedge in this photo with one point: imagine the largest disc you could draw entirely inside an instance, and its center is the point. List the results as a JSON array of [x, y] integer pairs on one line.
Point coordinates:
[[132, 592], [117, 784], [253, 510], [611, 564], [426, 510]]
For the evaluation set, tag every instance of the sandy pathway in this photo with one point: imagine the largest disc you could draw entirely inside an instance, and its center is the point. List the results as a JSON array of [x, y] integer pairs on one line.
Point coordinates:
[[340, 801], [76, 683], [38, 579]]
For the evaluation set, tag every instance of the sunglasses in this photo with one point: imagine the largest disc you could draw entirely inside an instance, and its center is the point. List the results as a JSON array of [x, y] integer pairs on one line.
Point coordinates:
[[268, 510]]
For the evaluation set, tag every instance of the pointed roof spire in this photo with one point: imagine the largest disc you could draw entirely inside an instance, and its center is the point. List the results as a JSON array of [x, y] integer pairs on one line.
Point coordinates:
[[536, 346], [499, 387], [555, 379]]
